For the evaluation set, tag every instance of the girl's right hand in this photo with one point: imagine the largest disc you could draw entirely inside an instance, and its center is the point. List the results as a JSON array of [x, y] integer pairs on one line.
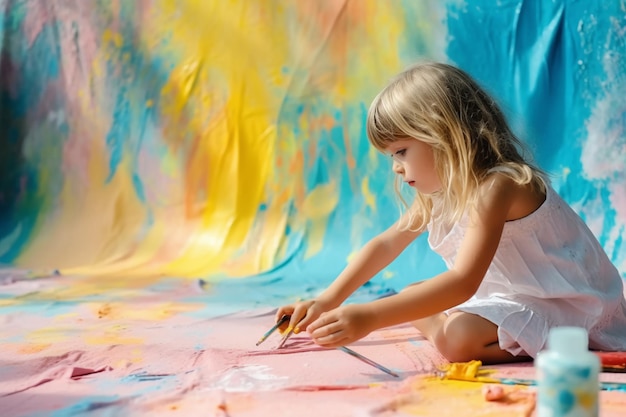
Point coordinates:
[[302, 314]]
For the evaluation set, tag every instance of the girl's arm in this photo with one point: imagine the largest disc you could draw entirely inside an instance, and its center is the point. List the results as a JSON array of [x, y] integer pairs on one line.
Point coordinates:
[[460, 282], [448, 289], [374, 256], [371, 259]]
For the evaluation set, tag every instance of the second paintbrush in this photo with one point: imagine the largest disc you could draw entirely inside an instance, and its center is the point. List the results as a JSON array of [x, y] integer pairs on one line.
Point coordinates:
[[367, 361]]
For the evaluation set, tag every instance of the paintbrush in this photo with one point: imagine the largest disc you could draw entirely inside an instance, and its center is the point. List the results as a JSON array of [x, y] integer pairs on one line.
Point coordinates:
[[289, 332], [283, 319], [368, 361], [287, 335], [604, 386]]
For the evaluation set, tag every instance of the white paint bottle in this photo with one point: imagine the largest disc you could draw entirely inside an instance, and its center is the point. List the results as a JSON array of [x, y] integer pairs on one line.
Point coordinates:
[[567, 375]]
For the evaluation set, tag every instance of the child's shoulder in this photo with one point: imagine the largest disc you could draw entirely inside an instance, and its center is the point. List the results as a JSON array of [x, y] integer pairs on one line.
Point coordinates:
[[519, 199]]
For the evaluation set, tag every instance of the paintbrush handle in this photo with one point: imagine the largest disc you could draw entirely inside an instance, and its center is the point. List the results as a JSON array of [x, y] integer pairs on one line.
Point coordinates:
[[367, 361], [283, 319], [604, 386]]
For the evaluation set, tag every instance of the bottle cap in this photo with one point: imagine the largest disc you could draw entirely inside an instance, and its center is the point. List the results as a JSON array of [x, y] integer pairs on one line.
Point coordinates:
[[568, 340]]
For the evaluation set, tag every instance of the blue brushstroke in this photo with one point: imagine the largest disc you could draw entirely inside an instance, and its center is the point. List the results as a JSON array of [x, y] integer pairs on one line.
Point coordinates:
[[97, 403], [119, 132]]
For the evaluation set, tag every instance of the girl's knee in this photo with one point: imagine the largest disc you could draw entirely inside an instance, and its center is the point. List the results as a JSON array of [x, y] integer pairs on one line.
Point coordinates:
[[458, 343], [455, 349]]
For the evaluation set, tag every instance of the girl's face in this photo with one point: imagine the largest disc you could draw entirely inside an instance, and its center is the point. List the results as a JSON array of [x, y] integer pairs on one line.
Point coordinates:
[[414, 162]]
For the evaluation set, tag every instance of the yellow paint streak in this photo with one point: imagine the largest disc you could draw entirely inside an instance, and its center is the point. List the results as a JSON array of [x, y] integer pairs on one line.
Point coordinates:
[[108, 36], [9, 302], [271, 231], [137, 356], [32, 348], [119, 286], [317, 206], [370, 198], [128, 311], [316, 230], [49, 335], [432, 396], [320, 202], [221, 108], [112, 338], [97, 228]]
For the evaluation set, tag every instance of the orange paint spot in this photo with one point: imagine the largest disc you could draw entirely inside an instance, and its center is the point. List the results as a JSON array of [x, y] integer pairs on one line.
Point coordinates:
[[350, 161], [104, 311], [296, 163]]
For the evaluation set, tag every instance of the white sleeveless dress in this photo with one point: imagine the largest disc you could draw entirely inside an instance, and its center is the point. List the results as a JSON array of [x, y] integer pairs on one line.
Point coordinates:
[[549, 270]]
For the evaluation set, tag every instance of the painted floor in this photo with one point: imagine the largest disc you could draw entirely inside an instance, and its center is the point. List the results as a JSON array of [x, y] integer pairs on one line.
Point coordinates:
[[162, 349]]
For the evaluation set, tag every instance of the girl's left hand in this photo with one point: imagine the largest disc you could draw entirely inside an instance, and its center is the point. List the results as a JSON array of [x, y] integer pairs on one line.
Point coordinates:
[[341, 326]]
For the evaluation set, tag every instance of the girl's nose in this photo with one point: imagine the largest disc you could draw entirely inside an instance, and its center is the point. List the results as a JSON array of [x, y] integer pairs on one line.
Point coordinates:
[[397, 168]]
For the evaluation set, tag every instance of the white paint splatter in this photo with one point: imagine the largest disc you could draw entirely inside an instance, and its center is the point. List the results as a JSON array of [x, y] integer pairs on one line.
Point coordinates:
[[248, 378], [604, 152]]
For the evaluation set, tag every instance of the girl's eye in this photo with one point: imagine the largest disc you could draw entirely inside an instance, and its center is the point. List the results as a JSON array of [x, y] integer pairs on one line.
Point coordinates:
[[401, 152]]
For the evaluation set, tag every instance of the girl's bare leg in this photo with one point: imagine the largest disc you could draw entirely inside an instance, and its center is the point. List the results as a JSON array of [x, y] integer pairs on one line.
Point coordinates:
[[461, 337]]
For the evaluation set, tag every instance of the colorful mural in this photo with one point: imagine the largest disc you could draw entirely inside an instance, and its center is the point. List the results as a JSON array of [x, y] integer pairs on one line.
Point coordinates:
[[225, 139]]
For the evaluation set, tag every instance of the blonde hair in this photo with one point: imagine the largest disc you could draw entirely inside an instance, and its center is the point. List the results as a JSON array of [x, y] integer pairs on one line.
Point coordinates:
[[444, 107]]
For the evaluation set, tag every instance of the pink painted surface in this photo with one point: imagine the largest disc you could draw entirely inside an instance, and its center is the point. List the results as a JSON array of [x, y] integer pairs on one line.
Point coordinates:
[[156, 352]]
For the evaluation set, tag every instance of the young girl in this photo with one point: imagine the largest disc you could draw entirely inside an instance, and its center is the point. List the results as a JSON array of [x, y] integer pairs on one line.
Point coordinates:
[[519, 260]]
